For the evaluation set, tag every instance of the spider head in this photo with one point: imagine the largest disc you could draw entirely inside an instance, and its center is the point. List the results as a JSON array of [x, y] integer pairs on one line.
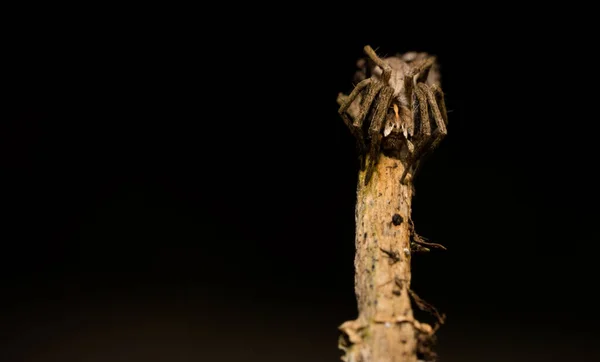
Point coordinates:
[[407, 69], [400, 69]]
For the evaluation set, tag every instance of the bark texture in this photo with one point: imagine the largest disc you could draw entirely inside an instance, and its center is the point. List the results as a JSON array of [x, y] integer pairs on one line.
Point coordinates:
[[385, 330]]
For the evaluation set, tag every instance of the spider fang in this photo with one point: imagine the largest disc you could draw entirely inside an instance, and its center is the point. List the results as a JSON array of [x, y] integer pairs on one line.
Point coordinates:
[[396, 112]]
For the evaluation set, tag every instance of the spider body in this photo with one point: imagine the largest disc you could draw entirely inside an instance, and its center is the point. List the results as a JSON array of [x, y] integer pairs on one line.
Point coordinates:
[[398, 108]]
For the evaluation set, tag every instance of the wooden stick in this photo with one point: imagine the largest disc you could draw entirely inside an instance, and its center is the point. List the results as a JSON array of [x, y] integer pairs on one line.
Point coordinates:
[[385, 330]]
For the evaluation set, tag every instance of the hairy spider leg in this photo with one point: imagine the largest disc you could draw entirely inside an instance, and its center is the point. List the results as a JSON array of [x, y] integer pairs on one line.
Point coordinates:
[[370, 89], [418, 74], [358, 138], [439, 98], [440, 131], [436, 113], [376, 127], [346, 102], [421, 71], [421, 119], [410, 124], [387, 70]]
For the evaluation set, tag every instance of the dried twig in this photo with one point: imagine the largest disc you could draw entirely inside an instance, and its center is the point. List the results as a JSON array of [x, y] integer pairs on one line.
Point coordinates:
[[397, 115]]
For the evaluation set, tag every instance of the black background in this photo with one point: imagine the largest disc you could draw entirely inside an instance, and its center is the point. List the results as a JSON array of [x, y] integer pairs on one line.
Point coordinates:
[[181, 190]]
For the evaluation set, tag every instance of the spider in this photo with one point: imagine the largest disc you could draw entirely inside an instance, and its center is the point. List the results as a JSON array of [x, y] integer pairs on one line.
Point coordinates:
[[399, 108]]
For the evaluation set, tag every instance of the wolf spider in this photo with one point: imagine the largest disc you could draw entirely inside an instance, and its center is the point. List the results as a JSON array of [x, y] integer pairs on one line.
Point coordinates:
[[419, 127]]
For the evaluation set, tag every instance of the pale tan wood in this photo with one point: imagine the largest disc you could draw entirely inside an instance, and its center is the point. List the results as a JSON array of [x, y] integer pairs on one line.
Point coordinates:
[[385, 330]]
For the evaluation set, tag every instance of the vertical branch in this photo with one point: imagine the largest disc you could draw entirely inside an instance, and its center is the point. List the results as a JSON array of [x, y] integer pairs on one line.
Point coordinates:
[[385, 330]]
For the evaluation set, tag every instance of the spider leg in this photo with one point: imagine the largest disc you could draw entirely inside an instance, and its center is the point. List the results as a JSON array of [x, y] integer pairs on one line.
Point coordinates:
[[353, 110], [371, 92], [345, 102], [415, 76], [421, 71], [387, 70], [369, 89], [440, 122], [421, 120], [440, 131], [376, 127], [439, 98]]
